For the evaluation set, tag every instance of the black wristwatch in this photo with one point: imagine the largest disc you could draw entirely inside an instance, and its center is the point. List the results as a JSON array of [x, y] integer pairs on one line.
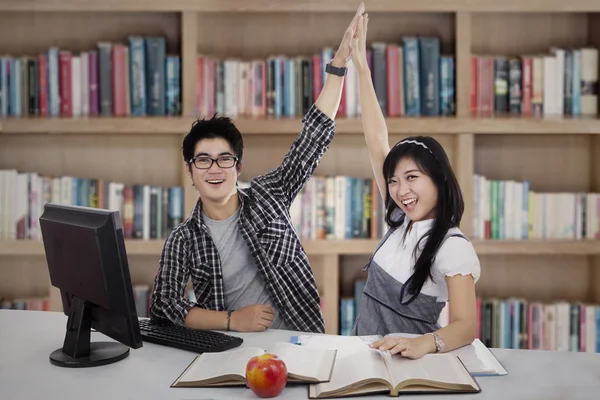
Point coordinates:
[[338, 71]]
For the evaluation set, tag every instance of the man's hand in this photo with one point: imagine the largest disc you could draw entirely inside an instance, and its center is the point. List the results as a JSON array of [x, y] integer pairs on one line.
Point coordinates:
[[343, 54], [359, 45], [253, 318]]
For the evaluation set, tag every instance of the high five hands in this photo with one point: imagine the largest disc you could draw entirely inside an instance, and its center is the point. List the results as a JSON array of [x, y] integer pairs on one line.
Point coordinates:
[[359, 44], [344, 52]]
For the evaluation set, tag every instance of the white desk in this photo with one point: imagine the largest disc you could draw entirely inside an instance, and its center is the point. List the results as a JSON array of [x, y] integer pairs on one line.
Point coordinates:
[[28, 337]]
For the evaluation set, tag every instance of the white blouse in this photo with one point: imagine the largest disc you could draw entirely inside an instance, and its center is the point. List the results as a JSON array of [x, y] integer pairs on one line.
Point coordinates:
[[455, 256]]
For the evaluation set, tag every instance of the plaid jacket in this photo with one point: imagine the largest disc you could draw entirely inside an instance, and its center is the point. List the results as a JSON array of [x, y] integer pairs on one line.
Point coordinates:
[[266, 227]]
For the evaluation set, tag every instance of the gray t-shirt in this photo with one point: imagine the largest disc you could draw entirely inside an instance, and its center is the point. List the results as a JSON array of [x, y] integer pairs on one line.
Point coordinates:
[[242, 282]]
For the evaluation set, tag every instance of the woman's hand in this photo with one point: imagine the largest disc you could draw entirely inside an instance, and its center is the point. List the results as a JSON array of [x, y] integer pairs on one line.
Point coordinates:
[[343, 54], [359, 44], [410, 348]]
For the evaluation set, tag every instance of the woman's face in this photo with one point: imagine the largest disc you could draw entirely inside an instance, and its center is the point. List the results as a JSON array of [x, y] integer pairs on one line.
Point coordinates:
[[413, 191]]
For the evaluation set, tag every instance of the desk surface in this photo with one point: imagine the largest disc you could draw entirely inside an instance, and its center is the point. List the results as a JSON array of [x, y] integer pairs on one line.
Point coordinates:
[[28, 337]]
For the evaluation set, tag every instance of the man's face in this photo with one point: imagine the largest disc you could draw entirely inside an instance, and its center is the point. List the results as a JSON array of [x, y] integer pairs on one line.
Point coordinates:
[[216, 183]]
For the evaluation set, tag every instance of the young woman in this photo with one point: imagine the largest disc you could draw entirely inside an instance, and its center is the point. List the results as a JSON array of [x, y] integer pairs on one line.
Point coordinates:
[[424, 259]]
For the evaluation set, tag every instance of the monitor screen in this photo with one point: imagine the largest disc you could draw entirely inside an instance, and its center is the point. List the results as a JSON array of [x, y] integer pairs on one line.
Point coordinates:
[[87, 261]]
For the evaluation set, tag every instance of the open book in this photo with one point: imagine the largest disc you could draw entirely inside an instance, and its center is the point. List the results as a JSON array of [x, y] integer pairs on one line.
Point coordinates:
[[369, 371], [476, 357], [228, 368]]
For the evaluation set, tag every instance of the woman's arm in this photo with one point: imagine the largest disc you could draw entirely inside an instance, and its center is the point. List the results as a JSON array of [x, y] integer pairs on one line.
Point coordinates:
[[460, 331], [462, 328], [373, 122]]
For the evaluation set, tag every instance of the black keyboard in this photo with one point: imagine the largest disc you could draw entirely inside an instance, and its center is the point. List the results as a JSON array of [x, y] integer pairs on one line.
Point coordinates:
[[187, 339]]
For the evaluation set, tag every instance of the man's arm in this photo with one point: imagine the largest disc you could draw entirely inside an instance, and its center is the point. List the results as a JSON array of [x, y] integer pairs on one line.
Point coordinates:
[[168, 294], [318, 128]]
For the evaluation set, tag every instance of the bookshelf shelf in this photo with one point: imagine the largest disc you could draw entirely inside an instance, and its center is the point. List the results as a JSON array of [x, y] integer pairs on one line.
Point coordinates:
[[352, 247], [291, 126], [36, 248], [537, 247], [300, 6]]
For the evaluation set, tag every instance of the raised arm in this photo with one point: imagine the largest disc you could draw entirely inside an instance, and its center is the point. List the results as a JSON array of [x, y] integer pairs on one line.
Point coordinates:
[[318, 128], [373, 122], [329, 98]]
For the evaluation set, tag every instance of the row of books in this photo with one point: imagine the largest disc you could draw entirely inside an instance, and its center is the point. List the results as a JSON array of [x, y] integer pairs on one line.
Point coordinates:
[[147, 211], [509, 209], [563, 81], [339, 207], [410, 79], [114, 79], [327, 208], [516, 323], [22, 303]]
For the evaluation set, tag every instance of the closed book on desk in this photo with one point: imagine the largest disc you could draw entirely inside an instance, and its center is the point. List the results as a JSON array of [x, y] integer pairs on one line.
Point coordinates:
[[228, 368], [371, 371]]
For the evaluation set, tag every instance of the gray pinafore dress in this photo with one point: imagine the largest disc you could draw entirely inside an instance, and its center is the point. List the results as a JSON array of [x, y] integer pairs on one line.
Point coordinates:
[[380, 311]]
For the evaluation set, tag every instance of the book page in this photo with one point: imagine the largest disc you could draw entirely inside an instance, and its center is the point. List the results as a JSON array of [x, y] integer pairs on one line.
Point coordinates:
[[442, 368], [213, 365], [305, 361], [479, 360], [351, 370], [476, 357]]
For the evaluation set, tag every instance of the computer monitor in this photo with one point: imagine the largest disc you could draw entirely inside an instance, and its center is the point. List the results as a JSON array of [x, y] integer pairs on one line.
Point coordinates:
[[87, 261]]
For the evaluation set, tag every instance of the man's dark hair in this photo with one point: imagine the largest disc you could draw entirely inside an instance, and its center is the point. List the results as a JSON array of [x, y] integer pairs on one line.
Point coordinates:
[[215, 127]]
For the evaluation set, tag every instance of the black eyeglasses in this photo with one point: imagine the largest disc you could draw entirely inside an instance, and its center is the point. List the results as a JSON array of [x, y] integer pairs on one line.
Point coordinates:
[[204, 162]]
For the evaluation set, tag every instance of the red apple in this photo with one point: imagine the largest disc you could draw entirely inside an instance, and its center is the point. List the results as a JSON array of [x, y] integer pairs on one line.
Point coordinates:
[[266, 375]]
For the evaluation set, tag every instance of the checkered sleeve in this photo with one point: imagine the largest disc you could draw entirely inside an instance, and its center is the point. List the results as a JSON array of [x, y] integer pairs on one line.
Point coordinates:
[[303, 156], [169, 301]]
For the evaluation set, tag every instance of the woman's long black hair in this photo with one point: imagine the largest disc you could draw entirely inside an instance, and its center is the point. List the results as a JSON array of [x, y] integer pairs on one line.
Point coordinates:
[[433, 162]]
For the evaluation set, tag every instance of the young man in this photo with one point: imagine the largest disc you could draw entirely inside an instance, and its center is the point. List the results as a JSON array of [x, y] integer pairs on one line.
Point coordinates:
[[247, 266]]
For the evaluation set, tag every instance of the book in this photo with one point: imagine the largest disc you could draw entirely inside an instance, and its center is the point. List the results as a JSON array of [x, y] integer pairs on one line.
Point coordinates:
[[228, 368], [371, 371], [476, 357]]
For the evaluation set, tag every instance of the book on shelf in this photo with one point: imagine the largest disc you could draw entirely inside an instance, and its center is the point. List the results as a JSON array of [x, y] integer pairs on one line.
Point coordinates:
[[339, 208], [148, 211], [510, 209], [136, 78], [228, 368], [362, 370], [22, 303], [411, 78], [557, 82]]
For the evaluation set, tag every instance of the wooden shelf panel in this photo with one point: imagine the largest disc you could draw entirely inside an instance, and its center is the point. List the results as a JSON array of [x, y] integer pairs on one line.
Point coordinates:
[[300, 5], [36, 248], [291, 126], [537, 247], [353, 247]]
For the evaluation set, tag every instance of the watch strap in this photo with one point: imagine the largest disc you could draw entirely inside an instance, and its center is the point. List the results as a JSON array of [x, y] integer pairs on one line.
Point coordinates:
[[338, 71], [439, 342]]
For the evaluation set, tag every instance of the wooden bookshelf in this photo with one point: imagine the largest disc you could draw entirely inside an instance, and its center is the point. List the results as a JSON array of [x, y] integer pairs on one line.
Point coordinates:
[[291, 126], [301, 5], [351, 247], [554, 153]]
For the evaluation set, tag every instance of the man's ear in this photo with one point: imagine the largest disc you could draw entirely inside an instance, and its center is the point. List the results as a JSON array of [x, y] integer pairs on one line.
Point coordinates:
[[239, 168], [188, 169]]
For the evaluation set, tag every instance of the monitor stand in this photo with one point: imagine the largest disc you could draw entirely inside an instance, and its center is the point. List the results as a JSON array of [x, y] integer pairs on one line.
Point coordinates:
[[77, 351]]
